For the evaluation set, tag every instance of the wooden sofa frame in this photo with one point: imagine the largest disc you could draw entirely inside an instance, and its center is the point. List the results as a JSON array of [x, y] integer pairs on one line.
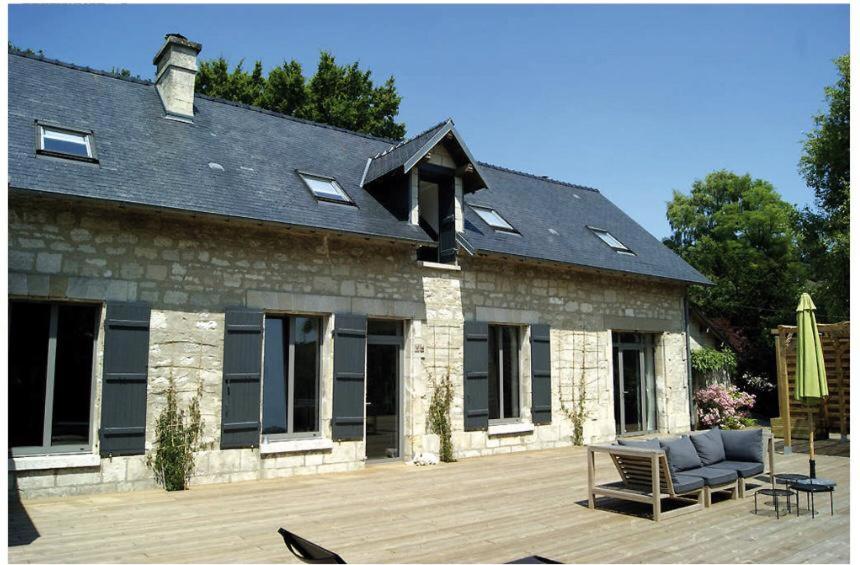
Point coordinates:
[[645, 477]]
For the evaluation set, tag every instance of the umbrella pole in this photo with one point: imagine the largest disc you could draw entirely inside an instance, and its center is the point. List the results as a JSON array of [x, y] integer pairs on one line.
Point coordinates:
[[811, 446]]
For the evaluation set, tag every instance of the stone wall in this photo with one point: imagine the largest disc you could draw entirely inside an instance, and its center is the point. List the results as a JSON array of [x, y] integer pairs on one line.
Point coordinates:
[[190, 270]]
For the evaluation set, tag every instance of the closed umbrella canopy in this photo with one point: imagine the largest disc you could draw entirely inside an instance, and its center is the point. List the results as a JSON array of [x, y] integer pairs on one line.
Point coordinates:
[[810, 381]]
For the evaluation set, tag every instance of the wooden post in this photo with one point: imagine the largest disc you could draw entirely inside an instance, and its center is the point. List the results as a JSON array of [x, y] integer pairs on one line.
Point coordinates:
[[655, 484], [589, 454], [782, 390], [840, 383]]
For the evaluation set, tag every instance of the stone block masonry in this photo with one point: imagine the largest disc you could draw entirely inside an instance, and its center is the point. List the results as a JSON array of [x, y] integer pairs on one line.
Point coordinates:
[[191, 269]]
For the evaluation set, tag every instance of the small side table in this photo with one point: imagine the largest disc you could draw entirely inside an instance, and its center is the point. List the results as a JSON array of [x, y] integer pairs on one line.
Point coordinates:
[[810, 487], [776, 494]]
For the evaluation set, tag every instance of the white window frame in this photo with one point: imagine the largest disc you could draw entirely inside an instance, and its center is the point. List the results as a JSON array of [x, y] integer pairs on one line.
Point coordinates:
[[290, 370], [610, 240], [507, 227], [43, 129], [322, 196]]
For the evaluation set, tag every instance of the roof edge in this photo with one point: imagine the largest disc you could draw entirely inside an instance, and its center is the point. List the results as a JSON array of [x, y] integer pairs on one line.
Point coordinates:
[[39, 193]]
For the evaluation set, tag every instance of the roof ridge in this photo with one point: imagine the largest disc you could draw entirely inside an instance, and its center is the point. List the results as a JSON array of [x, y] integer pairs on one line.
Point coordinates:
[[538, 177], [413, 138], [145, 82], [36, 57]]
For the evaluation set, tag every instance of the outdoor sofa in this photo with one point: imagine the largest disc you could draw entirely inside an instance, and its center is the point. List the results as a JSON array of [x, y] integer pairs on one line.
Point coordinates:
[[689, 468]]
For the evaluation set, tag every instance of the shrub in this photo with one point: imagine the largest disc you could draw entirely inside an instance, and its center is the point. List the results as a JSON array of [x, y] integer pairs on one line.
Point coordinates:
[[578, 412], [177, 437], [725, 407], [709, 360], [440, 417]]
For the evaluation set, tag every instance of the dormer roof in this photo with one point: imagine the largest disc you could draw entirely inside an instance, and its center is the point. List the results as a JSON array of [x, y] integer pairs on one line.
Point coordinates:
[[402, 157]]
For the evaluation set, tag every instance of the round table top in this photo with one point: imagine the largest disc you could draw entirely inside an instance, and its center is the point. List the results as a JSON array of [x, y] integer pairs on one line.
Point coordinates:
[[813, 484], [774, 492]]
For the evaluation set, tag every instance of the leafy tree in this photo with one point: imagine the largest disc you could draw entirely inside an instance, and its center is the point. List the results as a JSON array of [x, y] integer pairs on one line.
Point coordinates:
[[741, 234], [122, 72], [339, 95], [27, 51], [825, 165]]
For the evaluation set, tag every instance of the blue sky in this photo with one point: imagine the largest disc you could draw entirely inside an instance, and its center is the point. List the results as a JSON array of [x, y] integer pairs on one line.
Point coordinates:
[[633, 100]]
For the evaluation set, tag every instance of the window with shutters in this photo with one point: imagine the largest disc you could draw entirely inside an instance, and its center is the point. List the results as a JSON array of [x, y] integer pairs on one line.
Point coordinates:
[[51, 353], [503, 382], [291, 390]]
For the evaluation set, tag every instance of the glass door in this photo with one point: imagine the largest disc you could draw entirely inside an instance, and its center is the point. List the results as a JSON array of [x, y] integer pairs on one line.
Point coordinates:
[[635, 390], [382, 404]]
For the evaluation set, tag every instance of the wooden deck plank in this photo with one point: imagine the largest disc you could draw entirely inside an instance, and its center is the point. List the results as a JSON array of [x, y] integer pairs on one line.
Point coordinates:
[[488, 509]]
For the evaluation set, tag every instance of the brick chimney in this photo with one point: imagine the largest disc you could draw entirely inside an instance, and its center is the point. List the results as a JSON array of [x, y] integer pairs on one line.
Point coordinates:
[[175, 70]]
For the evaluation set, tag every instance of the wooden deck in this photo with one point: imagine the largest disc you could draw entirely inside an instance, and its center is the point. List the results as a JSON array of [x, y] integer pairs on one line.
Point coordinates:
[[489, 510]]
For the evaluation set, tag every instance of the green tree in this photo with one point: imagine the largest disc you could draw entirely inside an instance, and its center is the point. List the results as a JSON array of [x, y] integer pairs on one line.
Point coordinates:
[[825, 165], [741, 234], [340, 95]]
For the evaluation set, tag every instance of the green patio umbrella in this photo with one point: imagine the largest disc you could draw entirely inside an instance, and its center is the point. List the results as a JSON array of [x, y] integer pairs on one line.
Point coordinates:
[[810, 385]]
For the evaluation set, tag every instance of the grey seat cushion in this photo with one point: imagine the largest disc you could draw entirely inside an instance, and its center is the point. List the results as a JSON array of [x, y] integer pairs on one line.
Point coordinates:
[[709, 446], [743, 445], [684, 484], [642, 443], [713, 477], [681, 454], [743, 468]]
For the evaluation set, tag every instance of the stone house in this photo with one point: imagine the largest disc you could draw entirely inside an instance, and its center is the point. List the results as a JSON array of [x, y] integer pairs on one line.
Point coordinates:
[[316, 283]]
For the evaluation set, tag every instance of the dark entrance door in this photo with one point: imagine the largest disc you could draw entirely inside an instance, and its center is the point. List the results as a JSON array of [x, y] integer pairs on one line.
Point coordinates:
[[382, 424], [633, 371]]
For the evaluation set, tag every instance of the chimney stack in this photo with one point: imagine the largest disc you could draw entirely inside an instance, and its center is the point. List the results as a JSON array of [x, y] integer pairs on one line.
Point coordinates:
[[175, 71]]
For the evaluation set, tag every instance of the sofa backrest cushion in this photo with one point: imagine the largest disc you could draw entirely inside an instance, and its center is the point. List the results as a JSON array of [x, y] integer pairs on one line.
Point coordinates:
[[653, 443], [743, 445], [681, 454], [709, 446]]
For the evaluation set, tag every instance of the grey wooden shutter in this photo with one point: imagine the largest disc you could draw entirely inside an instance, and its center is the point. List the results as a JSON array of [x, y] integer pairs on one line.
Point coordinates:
[[541, 375], [350, 342], [240, 391], [126, 361], [475, 367]]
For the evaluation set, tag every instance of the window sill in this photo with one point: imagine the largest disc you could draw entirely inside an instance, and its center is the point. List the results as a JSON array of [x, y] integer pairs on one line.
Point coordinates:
[[508, 429], [296, 445], [65, 461], [440, 266]]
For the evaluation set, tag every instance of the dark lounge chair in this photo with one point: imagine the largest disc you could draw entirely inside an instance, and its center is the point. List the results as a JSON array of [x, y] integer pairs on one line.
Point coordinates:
[[307, 551]]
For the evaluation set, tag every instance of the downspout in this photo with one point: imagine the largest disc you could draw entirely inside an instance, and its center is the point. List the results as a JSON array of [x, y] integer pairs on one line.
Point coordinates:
[[689, 362]]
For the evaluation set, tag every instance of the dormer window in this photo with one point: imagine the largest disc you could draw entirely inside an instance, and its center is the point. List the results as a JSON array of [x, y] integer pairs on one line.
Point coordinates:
[[66, 143], [611, 241], [493, 219], [325, 189]]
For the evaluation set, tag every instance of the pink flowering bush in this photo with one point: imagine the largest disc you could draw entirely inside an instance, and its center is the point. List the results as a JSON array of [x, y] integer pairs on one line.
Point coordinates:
[[726, 407]]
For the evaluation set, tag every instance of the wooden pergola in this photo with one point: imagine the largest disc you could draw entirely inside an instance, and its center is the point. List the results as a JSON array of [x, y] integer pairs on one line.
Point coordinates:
[[833, 413]]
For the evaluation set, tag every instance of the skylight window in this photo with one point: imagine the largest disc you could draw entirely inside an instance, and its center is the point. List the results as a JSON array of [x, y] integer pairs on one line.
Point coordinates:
[[325, 188], [61, 142], [493, 219], [611, 241]]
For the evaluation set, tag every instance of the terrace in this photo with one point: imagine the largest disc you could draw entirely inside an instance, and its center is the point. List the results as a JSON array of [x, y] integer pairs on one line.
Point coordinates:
[[488, 509]]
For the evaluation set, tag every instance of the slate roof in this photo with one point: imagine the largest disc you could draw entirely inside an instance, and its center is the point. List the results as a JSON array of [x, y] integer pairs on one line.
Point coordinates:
[[238, 161]]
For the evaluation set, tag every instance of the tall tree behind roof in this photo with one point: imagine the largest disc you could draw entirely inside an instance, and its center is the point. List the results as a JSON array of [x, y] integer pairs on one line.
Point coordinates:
[[825, 165], [739, 232], [339, 95]]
